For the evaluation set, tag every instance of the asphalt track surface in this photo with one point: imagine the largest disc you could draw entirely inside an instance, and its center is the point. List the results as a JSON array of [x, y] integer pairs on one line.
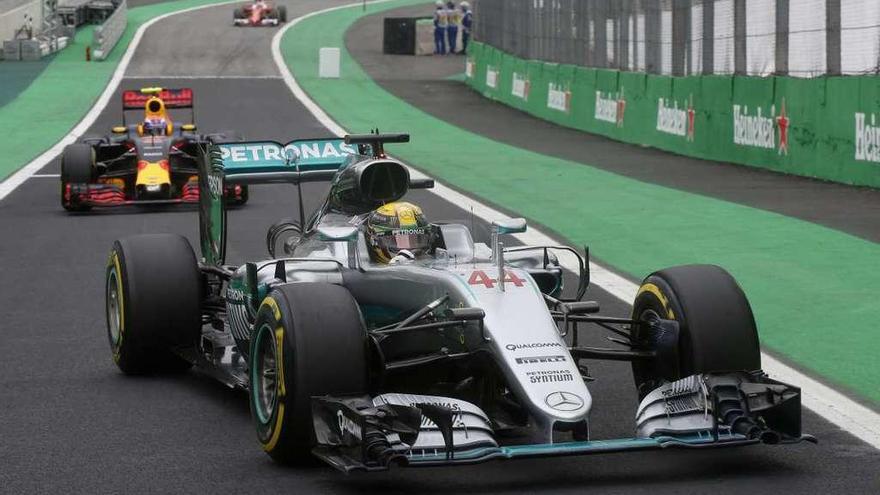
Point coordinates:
[[71, 422]]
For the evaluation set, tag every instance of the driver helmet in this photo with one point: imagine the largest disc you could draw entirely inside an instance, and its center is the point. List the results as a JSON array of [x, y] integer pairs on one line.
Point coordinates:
[[398, 228], [155, 127]]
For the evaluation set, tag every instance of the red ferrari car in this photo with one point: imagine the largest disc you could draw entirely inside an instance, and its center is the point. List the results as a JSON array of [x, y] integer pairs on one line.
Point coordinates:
[[259, 13]]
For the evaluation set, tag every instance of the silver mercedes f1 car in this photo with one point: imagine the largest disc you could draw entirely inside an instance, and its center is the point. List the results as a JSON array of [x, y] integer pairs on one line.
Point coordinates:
[[467, 353]]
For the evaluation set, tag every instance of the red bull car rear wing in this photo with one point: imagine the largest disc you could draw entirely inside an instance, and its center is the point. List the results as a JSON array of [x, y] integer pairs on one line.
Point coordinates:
[[172, 98]]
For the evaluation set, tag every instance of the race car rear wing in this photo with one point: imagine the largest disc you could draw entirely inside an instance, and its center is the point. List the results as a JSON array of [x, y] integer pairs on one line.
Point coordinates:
[[270, 162], [258, 162], [266, 162], [135, 99]]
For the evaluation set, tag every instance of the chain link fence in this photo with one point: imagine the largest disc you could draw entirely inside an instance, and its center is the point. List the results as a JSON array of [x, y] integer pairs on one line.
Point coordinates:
[[803, 38]]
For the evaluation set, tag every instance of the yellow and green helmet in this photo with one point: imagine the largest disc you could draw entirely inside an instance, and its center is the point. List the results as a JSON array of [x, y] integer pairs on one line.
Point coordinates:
[[395, 227]]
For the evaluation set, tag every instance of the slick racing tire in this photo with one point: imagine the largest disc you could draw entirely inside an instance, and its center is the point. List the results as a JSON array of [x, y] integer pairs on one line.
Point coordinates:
[[77, 170], [153, 302], [717, 329], [308, 340], [282, 14]]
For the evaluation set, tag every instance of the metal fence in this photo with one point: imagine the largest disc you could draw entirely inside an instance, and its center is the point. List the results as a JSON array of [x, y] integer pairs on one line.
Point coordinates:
[[803, 38]]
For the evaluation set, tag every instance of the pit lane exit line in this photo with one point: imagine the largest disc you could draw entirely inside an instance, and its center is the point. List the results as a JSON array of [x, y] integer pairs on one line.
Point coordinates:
[[858, 420]]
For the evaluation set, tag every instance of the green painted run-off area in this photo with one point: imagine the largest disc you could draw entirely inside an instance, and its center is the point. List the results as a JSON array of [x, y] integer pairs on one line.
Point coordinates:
[[811, 287]]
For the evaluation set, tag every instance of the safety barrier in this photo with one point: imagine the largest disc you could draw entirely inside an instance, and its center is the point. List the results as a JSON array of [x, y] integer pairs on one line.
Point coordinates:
[[826, 127], [107, 34]]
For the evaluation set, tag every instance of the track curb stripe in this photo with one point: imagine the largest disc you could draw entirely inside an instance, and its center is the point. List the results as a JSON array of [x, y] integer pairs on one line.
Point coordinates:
[[856, 419]]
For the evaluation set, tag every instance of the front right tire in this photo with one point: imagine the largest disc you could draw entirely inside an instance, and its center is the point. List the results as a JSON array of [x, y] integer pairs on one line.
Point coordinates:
[[77, 170]]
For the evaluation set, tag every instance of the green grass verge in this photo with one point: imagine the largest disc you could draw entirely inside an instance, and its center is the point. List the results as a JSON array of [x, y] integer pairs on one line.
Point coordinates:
[[811, 287], [44, 112]]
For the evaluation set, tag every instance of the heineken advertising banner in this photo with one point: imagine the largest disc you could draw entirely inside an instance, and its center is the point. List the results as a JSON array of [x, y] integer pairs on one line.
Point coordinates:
[[826, 127]]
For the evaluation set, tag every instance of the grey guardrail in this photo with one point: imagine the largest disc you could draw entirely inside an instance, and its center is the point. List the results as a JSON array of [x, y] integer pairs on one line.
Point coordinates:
[[107, 34]]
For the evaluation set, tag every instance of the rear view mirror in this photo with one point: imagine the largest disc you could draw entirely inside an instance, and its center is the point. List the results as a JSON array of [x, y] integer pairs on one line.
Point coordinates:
[[282, 237], [338, 234], [510, 226]]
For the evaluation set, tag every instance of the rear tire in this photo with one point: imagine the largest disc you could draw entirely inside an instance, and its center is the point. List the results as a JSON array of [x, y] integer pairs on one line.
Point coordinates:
[[717, 331], [77, 168], [153, 302], [308, 339], [282, 14]]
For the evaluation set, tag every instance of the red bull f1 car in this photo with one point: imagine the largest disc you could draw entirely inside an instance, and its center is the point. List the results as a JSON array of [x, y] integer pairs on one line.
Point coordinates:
[[259, 13], [151, 161], [462, 353]]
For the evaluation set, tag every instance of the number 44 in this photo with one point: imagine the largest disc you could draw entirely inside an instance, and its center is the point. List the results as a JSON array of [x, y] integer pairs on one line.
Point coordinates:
[[479, 277]]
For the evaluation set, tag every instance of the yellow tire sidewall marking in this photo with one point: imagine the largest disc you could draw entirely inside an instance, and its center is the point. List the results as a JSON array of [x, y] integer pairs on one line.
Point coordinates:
[[114, 262], [276, 311], [280, 389], [653, 289]]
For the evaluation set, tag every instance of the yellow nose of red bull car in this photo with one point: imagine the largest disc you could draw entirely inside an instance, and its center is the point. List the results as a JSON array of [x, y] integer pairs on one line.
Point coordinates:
[[153, 178]]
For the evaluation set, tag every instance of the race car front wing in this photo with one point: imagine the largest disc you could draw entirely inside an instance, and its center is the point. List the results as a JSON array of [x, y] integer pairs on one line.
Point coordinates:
[[700, 411], [106, 195], [265, 21]]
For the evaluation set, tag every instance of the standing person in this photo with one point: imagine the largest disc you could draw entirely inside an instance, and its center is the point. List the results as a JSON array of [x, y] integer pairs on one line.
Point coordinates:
[[441, 22], [454, 19], [467, 20]]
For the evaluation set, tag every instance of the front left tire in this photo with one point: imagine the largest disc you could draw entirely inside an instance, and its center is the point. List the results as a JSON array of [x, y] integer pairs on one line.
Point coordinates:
[[308, 340]]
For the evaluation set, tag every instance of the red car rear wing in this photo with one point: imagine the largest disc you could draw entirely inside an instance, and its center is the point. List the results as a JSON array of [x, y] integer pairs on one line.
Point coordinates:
[[173, 98]]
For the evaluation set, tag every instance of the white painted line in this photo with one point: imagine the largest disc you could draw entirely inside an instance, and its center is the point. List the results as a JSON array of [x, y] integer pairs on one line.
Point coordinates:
[[197, 77], [45, 176], [23, 174], [858, 420]]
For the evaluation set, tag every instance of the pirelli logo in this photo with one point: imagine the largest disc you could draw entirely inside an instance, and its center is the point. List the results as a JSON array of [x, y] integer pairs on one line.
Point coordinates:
[[540, 359]]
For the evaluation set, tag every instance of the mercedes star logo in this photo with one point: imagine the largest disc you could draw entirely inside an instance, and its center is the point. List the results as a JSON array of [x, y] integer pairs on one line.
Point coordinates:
[[564, 401]]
